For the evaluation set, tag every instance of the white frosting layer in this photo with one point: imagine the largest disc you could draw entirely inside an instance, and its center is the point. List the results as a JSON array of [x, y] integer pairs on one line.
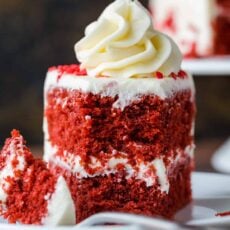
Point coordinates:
[[13, 153], [148, 175], [128, 90], [122, 43], [61, 209], [150, 172], [192, 22]]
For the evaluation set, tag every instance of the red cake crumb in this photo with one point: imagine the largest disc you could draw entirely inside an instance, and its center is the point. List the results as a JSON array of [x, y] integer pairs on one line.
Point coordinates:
[[69, 69], [25, 201], [221, 214], [173, 75], [182, 74], [18, 141], [159, 75]]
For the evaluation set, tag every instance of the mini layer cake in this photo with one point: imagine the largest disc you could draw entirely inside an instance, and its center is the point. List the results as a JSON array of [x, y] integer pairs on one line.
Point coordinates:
[[119, 128], [29, 193], [197, 28], [122, 145]]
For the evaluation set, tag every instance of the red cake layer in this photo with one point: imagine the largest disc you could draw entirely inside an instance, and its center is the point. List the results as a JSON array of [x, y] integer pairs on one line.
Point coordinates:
[[87, 125], [25, 201], [116, 193]]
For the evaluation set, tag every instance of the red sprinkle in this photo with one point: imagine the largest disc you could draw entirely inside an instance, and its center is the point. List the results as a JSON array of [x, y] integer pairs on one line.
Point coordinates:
[[182, 74], [159, 75], [69, 69], [173, 75], [15, 133]]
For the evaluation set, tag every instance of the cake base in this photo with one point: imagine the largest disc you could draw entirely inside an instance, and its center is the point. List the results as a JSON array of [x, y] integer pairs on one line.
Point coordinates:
[[29, 192], [115, 192]]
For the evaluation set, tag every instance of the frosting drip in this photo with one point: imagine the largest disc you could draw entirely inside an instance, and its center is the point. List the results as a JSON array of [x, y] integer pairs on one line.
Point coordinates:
[[60, 198], [122, 43]]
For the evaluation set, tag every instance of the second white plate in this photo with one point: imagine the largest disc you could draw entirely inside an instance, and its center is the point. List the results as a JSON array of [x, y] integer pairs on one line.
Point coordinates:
[[213, 66]]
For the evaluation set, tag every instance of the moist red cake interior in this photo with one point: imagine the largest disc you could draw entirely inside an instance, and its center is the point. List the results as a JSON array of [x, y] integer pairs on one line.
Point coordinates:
[[25, 196]]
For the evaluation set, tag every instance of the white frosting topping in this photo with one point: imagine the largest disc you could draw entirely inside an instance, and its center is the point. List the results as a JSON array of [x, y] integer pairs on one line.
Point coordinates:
[[150, 172], [61, 209], [127, 90], [122, 43], [13, 154], [186, 28]]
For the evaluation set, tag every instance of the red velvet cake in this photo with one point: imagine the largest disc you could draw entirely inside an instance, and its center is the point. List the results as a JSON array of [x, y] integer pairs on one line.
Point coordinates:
[[200, 29], [121, 132], [119, 155], [119, 128], [29, 192]]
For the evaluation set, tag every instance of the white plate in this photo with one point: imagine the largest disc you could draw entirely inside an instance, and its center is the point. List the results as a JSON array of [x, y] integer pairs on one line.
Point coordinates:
[[208, 66], [211, 195], [221, 158]]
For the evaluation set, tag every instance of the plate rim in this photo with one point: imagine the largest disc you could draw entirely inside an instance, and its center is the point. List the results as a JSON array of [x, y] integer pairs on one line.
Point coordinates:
[[204, 66]]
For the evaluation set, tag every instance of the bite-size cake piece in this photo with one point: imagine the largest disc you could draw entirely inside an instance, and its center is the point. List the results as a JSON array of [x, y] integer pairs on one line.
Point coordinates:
[[120, 127], [198, 28], [29, 192]]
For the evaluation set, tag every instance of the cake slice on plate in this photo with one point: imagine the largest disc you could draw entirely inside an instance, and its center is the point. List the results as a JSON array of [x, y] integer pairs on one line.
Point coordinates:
[[29, 192]]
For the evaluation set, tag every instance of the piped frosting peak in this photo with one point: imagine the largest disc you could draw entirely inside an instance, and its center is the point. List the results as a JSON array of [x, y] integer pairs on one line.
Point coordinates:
[[123, 43]]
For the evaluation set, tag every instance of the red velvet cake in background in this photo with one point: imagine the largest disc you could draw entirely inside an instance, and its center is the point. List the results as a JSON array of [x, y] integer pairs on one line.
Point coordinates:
[[200, 29], [121, 132], [29, 192]]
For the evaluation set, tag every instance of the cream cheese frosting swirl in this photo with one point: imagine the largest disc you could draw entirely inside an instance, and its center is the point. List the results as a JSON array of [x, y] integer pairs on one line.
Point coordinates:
[[123, 43]]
